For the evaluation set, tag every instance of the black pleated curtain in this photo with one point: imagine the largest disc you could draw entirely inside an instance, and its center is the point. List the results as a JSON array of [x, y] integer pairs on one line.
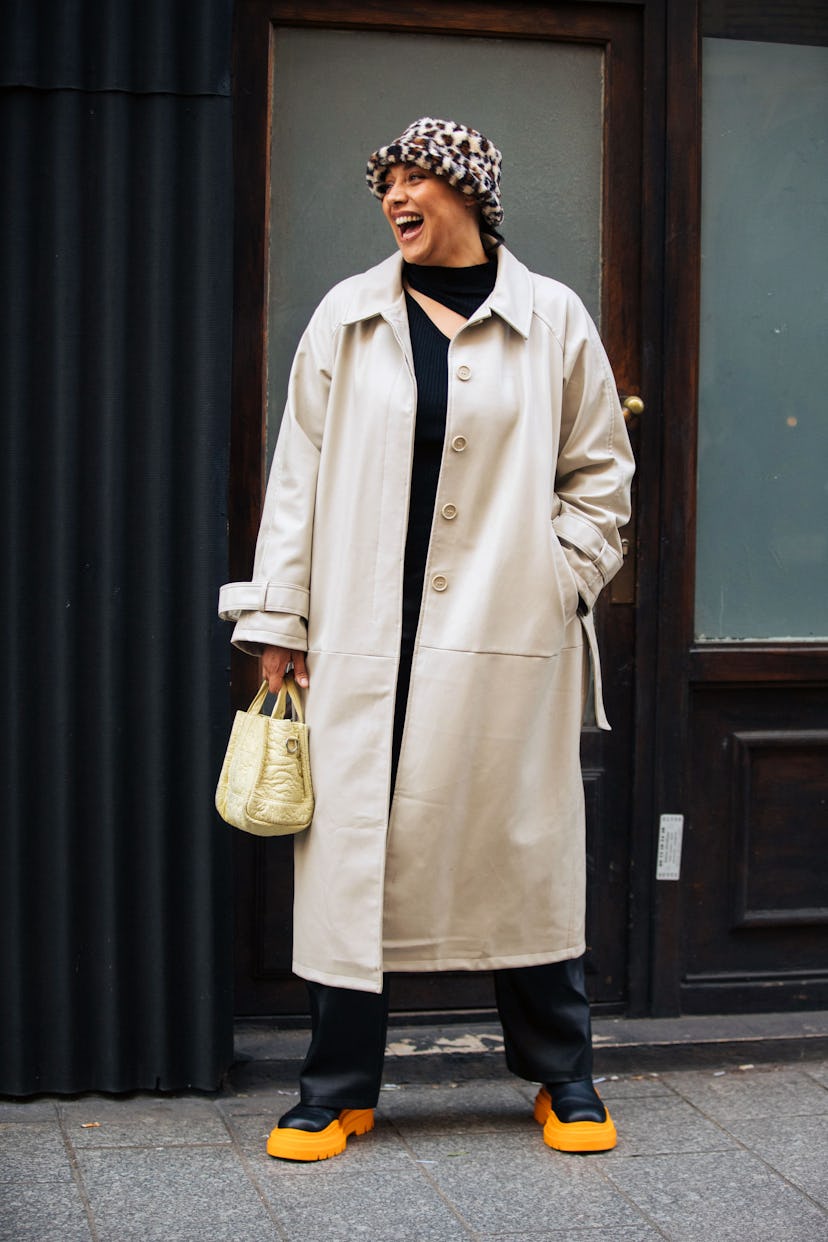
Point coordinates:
[[116, 288]]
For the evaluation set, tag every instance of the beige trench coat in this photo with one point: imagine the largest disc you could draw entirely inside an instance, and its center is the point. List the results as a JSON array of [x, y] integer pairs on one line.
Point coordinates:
[[481, 863]]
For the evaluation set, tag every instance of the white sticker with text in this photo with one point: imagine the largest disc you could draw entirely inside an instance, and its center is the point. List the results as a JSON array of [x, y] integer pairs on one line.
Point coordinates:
[[670, 829]]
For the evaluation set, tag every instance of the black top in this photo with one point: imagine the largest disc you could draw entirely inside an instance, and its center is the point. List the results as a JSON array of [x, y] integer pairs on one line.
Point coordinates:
[[461, 289]]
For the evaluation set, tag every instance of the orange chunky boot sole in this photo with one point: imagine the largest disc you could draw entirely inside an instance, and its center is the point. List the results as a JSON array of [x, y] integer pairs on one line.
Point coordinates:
[[288, 1144], [573, 1135]]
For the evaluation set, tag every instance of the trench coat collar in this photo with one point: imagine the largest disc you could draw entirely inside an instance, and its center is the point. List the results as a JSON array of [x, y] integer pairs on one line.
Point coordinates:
[[379, 291]]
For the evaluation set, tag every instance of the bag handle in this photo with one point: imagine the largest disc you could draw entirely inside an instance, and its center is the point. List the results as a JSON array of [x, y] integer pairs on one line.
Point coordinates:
[[289, 687]]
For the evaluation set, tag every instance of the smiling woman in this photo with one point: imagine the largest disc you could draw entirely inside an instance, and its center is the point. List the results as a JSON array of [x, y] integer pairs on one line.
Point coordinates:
[[443, 509], [433, 223]]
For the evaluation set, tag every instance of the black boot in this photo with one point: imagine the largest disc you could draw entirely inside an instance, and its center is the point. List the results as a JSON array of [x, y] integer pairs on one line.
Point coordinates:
[[573, 1117], [313, 1132], [576, 1101], [311, 1117]]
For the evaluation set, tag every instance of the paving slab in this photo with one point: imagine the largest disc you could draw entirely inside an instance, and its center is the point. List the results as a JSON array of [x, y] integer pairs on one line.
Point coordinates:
[[631, 1086], [383, 1206], [497, 1107], [726, 1196], [141, 1121], [28, 1110], [269, 1100], [755, 1093], [665, 1125], [42, 1212], [624, 1233], [33, 1152], [510, 1184], [172, 1194], [797, 1147], [818, 1070]]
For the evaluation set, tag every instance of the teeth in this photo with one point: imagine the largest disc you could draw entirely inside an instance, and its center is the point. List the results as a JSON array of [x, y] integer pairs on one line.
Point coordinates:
[[401, 220]]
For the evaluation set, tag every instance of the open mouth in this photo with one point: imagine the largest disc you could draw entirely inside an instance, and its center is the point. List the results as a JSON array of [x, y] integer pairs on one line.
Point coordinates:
[[408, 226]]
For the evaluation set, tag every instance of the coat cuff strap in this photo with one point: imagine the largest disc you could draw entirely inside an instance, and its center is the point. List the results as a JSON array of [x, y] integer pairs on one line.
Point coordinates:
[[593, 560], [238, 597]]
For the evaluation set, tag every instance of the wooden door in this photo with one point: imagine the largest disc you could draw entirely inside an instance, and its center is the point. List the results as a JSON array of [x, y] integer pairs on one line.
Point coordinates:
[[611, 38], [742, 722]]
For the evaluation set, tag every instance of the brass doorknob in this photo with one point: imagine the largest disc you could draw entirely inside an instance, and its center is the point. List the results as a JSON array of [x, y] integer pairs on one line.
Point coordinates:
[[632, 405]]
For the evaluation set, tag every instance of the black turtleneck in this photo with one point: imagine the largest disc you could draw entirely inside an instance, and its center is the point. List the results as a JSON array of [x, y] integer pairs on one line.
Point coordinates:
[[461, 289]]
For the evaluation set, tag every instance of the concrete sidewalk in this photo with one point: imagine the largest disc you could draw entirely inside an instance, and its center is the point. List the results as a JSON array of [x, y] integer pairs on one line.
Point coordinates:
[[715, 1153]]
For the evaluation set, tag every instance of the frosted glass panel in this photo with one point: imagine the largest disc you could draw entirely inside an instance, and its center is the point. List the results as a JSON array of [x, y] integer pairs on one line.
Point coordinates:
[[338, 95], [762, 553]]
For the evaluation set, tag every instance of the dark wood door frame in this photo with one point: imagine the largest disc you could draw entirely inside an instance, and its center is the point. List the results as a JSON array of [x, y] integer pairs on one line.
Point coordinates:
[[635, 79], [675, 514]]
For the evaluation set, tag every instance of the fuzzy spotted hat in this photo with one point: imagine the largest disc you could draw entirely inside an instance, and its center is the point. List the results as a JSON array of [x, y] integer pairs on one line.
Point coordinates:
[[467, 160]]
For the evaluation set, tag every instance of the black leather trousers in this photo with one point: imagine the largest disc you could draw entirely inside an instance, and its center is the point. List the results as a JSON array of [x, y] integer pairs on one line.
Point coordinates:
[[546, 1026]]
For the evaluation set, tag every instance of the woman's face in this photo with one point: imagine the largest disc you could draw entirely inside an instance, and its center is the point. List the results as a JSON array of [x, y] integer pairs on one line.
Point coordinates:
[[432, 222]]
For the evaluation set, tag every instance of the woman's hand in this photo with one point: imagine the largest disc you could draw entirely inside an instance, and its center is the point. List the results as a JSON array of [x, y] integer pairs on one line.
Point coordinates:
[[274, 662]]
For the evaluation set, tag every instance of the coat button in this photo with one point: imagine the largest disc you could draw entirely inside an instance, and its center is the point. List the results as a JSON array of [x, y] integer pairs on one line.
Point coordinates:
[[439, 582], [464, 372], [449, 512], [459, 443]]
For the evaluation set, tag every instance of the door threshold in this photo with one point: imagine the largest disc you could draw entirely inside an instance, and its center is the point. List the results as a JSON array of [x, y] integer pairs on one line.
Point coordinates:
[[453, 1051]]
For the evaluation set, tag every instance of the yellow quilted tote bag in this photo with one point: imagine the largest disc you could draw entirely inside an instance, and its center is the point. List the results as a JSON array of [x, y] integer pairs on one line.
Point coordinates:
[[265, 783]]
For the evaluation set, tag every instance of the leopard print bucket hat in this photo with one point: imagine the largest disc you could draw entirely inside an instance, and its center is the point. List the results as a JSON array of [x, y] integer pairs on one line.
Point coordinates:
[[467, 160]]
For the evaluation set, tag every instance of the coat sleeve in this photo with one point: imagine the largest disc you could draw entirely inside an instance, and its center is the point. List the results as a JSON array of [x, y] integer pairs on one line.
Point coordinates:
[[595, 463], [272, 608]]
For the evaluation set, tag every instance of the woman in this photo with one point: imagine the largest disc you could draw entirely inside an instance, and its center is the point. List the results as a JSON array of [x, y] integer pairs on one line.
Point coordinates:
[[443, 509]]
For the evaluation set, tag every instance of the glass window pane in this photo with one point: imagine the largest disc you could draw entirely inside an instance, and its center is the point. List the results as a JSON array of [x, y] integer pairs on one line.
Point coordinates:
[[337, 95], [762, 527]]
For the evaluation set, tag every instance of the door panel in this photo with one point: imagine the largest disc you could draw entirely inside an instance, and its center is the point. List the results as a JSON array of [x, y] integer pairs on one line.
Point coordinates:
[[743, 661], [762, 517], [755, 883], [318, 87]]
